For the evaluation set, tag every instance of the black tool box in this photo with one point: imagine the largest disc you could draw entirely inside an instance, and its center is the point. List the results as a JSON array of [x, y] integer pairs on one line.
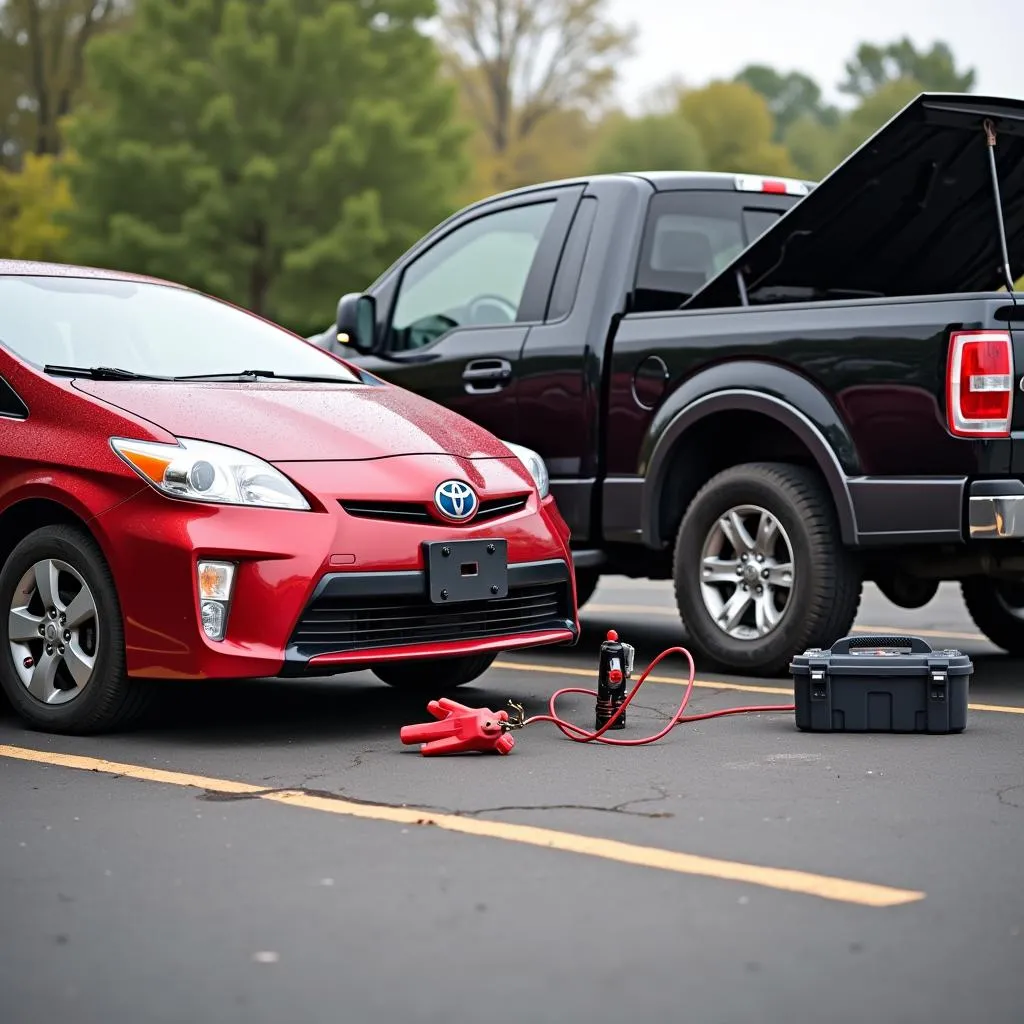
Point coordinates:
[[881, 684]]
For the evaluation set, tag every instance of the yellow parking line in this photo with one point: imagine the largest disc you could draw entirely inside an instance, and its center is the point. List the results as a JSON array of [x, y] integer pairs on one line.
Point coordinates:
[[672, 613], [707, 684], [826, 887]]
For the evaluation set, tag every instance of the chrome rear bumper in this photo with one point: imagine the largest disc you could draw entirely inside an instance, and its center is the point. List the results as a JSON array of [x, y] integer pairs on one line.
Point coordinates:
[[996, 510]]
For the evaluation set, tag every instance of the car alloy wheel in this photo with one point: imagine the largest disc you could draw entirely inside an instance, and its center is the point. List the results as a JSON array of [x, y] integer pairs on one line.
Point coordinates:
[[53, 631], [747, 572]]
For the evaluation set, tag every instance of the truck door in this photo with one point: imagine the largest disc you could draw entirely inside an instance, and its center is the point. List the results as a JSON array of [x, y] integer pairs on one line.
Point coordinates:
[[453, 316]]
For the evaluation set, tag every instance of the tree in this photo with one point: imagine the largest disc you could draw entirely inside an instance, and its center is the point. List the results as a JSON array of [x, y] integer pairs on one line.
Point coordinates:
[[790, 96], [31, 202], [873, 67], [873, 112], [42, 47], [519, 62], [275, 154], [653, 142], [812, 146], [736, 128]]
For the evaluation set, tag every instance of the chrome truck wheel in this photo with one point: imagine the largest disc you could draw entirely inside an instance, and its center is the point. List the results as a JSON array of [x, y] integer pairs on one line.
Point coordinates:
[[760, 569]]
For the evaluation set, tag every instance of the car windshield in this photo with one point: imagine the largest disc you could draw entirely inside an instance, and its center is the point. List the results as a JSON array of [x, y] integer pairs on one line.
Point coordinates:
[[147, 329]]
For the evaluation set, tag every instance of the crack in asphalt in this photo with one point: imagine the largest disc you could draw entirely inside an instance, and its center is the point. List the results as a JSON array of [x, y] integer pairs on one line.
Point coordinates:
[[1001, 796], [218, 796]]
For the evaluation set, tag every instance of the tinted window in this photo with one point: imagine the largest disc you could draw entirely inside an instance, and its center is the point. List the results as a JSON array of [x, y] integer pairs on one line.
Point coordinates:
[[146, 328], [691, 236], [757, 222], [567, 280], [476, 275], [10, 403]]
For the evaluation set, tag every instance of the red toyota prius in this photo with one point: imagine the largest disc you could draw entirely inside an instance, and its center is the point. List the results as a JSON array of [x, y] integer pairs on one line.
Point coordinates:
[[190, 492]]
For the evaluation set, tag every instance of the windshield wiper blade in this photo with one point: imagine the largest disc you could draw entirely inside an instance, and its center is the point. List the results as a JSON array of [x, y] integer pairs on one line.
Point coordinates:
[[315, 378], [98, 372]]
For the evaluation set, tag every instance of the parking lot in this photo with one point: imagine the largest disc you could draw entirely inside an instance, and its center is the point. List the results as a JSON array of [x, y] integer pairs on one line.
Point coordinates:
[[271, 853]]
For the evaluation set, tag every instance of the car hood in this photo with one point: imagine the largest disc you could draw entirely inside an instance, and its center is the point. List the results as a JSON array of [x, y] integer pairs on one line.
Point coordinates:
[[911, 212], [297, 422]]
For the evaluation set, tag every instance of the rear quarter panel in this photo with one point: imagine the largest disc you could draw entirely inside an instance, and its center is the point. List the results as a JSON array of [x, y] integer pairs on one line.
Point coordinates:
[[880, 364]]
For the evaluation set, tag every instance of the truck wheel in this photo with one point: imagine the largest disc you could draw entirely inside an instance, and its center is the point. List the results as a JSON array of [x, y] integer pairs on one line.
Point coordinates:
[[62, 656], [760, 570], [586, 583], [997, 608], [435, 676]]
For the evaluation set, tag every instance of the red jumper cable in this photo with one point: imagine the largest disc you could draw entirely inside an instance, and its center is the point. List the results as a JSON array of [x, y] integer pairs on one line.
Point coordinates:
[[463, 729]]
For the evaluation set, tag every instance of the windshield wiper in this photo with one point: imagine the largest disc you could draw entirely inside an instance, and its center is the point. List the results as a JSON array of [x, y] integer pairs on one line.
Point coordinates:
[[255, 374], [98, 372]]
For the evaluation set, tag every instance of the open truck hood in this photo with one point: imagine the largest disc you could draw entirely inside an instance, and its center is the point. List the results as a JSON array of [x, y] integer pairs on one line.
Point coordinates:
[[911, 212]]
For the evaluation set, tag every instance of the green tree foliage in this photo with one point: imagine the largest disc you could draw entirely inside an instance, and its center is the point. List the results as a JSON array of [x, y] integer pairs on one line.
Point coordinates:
[[31, 202], [736, 129], [873, 67], [525, 67], [275, 153], [873, 112], [42, 46], [653, 142], [791, 96]]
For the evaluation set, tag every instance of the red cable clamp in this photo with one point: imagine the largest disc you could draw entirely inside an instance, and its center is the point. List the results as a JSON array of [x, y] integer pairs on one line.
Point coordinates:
[[460, 730]]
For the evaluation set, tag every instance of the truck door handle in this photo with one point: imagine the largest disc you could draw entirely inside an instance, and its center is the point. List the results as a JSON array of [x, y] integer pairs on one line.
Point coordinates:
[[482, 376]]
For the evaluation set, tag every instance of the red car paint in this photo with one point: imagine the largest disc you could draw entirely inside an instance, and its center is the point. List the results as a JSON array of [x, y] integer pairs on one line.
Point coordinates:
[[369, 442]]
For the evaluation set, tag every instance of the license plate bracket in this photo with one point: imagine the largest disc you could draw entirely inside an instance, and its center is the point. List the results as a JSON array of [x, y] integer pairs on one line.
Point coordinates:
[[467, 570]]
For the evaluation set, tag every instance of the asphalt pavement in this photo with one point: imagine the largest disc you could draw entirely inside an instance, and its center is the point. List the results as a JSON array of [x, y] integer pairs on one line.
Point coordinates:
[[269, 853]]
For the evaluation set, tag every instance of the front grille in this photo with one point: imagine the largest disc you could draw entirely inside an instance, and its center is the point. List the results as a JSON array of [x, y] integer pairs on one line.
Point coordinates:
[[419, 512], [350, 623]]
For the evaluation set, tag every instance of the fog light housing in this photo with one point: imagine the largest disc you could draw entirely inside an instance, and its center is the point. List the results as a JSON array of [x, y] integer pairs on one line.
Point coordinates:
[[216, 582]]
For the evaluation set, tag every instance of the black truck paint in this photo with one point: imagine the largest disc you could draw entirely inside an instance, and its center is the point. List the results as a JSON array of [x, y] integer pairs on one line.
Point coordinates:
[[671, 343]]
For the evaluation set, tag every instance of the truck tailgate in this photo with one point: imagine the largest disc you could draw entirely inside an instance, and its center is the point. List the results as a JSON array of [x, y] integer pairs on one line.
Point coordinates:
[[1017, 424]]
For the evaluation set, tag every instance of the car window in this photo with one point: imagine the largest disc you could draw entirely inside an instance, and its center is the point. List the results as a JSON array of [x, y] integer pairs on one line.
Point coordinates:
[[146, 328], [474, 276]]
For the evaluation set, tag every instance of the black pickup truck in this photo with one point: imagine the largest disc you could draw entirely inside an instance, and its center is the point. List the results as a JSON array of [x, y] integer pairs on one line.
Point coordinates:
[[765, 390]]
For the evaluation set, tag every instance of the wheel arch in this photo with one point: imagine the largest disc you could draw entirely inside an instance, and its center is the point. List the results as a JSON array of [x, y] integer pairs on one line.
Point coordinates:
[[725, 428], [18, 520]]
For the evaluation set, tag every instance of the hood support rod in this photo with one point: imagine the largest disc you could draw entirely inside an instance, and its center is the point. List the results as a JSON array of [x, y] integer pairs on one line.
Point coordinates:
[[990, 138]]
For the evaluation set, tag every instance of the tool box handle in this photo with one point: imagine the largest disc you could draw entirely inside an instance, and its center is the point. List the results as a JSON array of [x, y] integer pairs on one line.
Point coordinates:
[[888, 641]]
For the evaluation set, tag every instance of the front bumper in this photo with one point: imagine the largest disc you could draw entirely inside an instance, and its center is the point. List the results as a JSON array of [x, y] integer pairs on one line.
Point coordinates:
[[995, 510], [366, 575]]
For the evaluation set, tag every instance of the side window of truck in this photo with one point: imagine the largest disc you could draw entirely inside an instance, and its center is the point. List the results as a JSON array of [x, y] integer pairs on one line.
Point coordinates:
[[474, 276]]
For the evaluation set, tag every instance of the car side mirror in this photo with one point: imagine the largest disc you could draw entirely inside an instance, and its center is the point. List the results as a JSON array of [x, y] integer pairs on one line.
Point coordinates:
[[357, 322]]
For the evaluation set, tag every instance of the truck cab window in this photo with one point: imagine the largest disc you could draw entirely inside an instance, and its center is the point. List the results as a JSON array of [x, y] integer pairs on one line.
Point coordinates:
[[475, 276], [689, 237]]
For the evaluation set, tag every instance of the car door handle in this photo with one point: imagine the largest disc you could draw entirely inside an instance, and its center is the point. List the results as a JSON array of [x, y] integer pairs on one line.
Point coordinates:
[[482, 376]]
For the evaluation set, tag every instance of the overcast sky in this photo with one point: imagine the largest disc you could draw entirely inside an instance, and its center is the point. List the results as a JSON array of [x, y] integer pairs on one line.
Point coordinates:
[[705, 40]]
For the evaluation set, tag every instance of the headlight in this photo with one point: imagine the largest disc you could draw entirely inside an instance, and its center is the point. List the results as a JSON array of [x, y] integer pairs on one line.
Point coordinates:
[[534, 465], [200, 471]]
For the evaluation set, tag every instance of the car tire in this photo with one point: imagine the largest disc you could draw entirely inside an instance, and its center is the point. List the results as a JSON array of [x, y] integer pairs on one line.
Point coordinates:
[[813, 607], [436, 675], [997, 608], [586, 583], [87, 658]]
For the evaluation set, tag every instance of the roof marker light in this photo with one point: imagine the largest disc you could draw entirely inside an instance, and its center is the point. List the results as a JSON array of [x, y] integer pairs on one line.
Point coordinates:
[[777, 186]]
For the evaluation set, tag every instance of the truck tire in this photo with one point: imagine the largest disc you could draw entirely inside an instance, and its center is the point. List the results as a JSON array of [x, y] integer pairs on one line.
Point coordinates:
[[997, 608], [62, 654], [770, 526], [435, 676]]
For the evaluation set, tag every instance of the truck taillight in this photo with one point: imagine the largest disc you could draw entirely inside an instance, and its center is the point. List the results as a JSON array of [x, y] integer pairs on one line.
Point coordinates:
[[979, 383]]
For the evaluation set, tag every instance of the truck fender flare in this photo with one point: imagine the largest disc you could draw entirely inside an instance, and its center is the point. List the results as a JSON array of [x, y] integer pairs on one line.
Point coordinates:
[[747, 400]]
